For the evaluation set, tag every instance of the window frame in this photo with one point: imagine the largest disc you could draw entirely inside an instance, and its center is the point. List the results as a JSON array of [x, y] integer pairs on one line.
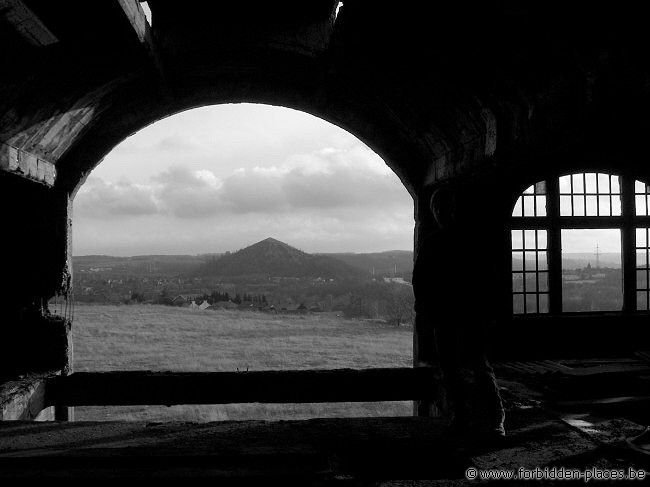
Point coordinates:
[[554, 222]]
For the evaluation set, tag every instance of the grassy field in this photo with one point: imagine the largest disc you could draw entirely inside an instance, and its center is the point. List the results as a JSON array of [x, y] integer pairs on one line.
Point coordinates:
[[149, 337]]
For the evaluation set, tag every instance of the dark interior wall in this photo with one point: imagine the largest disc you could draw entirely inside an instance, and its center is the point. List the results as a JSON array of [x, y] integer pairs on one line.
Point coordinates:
[[496, 96]]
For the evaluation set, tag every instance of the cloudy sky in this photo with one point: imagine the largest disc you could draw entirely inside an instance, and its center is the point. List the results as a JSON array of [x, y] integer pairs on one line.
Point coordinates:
[[220, 178]]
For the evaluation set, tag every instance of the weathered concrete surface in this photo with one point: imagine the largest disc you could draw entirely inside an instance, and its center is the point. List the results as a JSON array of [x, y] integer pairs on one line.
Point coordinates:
[[26, 398], [313, 452]]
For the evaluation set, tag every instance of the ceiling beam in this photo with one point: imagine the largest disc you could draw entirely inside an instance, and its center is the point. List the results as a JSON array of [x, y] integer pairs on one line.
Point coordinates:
[[138, 20], [27, 165], [26, 23]]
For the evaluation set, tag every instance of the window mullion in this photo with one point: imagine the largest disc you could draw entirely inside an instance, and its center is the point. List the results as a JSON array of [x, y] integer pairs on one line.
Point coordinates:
[[554, 245], [628, 244]]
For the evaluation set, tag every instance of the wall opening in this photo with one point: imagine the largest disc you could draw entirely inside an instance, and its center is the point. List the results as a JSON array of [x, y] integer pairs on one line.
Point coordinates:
[[242, 238]]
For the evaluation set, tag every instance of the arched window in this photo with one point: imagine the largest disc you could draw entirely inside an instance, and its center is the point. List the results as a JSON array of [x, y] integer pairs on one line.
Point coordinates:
[[579, 243]]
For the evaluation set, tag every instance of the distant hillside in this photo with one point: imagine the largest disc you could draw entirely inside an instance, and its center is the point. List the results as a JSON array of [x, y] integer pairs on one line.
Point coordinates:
[[272, 258], [581, 260], [383, 263], [139, 264]]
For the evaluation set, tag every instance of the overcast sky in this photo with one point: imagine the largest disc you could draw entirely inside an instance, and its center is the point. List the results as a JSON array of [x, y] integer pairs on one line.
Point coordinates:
[[223, 177]]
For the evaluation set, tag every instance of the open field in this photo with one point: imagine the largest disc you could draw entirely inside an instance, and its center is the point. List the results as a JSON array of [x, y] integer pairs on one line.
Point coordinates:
[[150, 337]]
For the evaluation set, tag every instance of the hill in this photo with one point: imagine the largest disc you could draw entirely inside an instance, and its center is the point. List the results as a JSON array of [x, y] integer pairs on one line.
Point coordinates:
[[272, 258], [398, 262]]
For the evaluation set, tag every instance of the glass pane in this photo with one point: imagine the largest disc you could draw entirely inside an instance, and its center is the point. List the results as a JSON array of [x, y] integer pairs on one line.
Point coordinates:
[[542, 282], [541, 261], [616, 187], [603, 183], [529, 239], [639, 187], [518, 303], [517, 237], [641, 258], [531, 262], [565, 205], [578, 206], [531, 303], [540, 204], [604, 208], [642, 301], [540, 188], [529, 190], [529, 205], [565, 185], [641, 234], [578, 183], [592, 209], [518, 210], [591, 270], [517, 283], [616, 205], [517, 261], [543, 303], [642, 279], [591, 182], [531, 282], [541, 239], [639, 200]]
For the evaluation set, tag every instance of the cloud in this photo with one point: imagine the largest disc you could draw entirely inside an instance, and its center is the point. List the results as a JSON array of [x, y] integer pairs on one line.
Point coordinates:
[[99, 198], [330, 199]]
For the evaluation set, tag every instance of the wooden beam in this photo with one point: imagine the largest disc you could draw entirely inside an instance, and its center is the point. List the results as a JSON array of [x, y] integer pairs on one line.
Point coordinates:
[[22, 163], [290, 386], [142, 29], [26, 23]]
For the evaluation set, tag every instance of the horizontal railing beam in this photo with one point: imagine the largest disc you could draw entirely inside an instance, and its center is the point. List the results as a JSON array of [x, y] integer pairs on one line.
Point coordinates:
[[288, 386]]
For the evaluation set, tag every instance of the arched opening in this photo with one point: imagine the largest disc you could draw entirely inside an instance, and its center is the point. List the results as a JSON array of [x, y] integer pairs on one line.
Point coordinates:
[[160, 222]]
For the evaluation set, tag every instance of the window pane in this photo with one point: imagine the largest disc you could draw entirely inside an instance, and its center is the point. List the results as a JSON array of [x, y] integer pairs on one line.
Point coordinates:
[[591, 182], [640, 205], [542, 282], [565, 205], [616, 205], [531, 263], [540, 204], [639, 187], [642, 279], [529, 205], [565, 185], [531, 282], [540, 188], [578, 183], [518, 303], [541, 261], [641, 258], [517, 237], [604, 208], [591, 270], [517, 283], [641, 234], [578, 206], [541, 239], [517, 261], [531, 303], [616, 187], [642, 301], [543, 303], [592, 209], [603, 183], [529, 239], [529, 190], [518, 210]]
